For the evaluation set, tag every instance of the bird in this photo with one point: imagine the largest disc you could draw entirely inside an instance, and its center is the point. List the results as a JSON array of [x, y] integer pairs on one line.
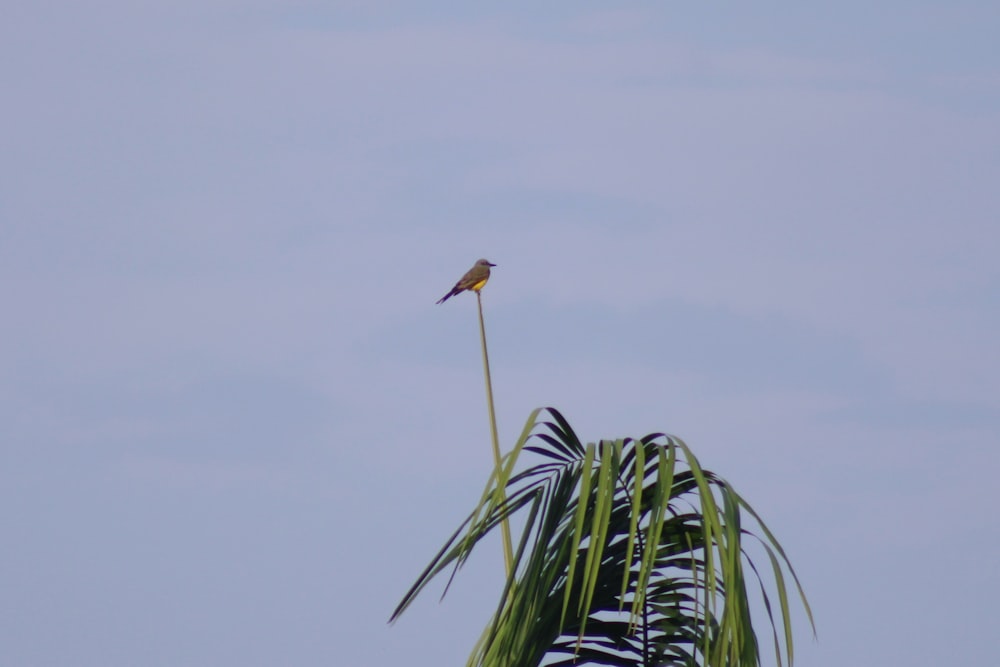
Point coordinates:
[[474, 279]]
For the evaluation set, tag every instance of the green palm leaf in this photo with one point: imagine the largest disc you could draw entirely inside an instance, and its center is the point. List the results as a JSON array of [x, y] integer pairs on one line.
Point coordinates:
[[631, 554]]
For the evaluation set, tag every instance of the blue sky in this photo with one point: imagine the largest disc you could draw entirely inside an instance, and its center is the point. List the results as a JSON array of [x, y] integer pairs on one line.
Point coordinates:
[[235, 426]]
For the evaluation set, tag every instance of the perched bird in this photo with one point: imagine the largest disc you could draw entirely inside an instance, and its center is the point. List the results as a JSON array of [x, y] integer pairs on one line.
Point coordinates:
[[473, 280]]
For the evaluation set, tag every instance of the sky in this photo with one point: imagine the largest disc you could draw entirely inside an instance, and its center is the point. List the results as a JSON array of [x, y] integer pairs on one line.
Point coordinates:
[[234, 425]]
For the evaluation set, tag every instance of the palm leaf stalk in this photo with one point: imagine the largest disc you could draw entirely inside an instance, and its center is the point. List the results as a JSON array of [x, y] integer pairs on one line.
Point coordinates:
[[508, 551], [631, 555]]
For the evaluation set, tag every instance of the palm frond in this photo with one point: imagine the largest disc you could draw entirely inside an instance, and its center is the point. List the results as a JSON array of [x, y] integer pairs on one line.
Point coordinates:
[[631, 554]]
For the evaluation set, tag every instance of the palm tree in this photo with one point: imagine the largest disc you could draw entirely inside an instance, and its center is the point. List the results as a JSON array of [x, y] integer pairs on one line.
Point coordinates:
[[631, 554]]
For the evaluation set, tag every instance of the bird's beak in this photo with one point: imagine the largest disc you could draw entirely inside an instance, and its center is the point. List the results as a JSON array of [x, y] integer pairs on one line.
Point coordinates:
[[491, 263]]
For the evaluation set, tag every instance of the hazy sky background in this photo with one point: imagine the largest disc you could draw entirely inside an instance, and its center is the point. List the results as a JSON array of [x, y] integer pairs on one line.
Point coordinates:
[[235, 427]]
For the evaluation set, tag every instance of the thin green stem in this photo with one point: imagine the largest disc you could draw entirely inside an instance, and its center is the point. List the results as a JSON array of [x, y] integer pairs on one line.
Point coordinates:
[[508, 549]]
